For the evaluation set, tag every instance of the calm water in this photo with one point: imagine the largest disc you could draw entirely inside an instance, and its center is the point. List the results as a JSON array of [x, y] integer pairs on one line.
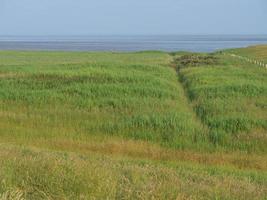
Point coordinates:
[[131, 43]]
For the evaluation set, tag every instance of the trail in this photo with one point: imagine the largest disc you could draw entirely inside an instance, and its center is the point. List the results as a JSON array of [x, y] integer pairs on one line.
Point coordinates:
[[181, 78]]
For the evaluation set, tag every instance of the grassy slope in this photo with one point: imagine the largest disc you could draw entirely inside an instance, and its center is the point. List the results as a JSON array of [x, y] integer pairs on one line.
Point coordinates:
[[130, 106], [230, 98], [256, 52]]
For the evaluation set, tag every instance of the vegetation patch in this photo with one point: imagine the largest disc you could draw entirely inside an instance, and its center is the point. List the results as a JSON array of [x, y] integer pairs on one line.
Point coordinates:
[[195, 60]]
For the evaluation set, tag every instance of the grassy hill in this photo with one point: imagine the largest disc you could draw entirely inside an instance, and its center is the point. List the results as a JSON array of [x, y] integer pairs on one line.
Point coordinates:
[[255, 52], [131, 126]]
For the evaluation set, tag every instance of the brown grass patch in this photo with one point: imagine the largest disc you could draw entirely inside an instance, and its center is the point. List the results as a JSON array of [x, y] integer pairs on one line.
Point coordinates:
[[144, 150]]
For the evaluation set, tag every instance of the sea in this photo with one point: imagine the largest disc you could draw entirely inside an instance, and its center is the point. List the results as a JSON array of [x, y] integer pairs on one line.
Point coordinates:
[[128, 43]]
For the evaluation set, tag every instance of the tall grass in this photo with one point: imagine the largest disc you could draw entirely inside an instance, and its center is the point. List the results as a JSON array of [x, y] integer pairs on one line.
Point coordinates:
[[231, 100], [134, 96], [124, 126], [34, 174]]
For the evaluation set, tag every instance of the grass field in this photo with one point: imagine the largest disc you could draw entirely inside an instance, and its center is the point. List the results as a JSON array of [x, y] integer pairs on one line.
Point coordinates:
[[231, 99], [126, 95], [131, 126]]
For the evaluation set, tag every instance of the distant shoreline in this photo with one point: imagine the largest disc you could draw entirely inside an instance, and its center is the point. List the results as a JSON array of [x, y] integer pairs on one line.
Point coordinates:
[[167, 43]]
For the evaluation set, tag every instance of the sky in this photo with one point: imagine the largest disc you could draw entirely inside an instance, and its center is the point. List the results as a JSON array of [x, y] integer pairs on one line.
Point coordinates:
[[132, 17]]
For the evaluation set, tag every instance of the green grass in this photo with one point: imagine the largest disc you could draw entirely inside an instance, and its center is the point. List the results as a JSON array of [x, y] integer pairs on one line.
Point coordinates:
[[77, 125], [230, 99], [131, 96], [256, 52]]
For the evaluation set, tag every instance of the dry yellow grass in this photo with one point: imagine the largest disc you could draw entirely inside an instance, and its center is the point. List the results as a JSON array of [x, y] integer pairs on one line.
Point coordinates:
[[32, 173], [144, 150]]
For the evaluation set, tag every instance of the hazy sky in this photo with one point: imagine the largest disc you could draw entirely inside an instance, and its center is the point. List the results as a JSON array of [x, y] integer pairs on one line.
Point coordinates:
[[91, 17]]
